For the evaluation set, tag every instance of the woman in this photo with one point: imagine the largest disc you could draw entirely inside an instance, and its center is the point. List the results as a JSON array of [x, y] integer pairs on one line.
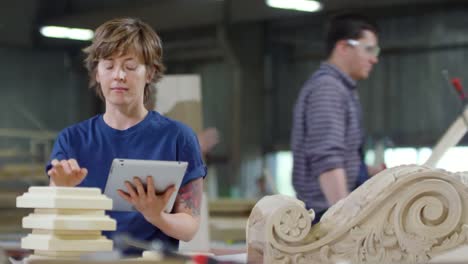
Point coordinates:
[[124, 59]]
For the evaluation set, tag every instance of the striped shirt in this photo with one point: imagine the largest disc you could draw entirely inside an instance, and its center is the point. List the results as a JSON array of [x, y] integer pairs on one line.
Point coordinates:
[[326, 134]]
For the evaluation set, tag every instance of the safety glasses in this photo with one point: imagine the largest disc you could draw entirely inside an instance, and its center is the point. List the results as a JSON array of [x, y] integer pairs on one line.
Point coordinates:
[[369, 49]]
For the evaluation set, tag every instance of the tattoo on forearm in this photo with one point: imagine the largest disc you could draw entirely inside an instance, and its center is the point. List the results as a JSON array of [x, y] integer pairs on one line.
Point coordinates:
[[190, 196]]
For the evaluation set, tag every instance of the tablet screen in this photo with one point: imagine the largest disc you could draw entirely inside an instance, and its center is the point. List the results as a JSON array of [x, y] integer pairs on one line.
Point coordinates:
[[164, 173]]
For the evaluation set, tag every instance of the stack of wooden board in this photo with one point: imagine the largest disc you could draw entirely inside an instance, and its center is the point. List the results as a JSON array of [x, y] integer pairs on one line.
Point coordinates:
[[67, 222]]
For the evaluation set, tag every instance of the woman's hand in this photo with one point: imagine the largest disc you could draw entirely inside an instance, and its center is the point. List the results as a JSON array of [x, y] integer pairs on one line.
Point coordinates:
[[66, 173], [147, 202]]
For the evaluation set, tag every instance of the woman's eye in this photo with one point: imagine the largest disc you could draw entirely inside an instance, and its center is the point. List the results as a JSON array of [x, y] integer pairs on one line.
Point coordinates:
[[131, 67]]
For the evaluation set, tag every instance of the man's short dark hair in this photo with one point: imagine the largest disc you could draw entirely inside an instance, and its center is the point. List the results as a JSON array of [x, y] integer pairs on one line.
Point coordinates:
[[347, 26]]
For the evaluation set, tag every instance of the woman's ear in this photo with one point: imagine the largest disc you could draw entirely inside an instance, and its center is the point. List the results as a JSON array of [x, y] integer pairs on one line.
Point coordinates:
[[97, 76], [150, 73]]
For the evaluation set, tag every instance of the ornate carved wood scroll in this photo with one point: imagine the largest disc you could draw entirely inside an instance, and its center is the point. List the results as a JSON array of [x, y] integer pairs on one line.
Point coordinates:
[[406, 214]]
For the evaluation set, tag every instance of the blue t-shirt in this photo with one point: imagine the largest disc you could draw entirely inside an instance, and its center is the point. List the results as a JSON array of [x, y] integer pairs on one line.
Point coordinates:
[[94, 145]]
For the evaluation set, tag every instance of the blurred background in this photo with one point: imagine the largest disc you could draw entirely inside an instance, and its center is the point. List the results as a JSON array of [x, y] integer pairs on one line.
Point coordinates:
[[251, 59]]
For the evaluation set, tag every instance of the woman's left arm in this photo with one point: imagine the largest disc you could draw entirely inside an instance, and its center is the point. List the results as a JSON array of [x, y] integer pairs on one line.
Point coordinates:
[[183, 223]]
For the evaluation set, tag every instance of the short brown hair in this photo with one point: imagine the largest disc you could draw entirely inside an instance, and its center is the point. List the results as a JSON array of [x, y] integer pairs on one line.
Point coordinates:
[[347, 26], [119, 36]]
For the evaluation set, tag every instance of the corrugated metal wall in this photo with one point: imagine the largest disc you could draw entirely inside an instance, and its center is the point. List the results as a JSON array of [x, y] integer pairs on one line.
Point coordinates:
[[41, 86]]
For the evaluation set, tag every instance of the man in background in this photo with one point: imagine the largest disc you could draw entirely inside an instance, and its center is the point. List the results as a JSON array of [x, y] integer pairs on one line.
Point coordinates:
[[327, 134]]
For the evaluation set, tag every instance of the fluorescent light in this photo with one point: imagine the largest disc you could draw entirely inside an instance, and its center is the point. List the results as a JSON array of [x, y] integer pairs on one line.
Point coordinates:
[[300, 5], [67, 33]]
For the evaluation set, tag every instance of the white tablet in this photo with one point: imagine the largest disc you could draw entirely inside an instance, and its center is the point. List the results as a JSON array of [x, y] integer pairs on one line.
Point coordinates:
[[165, 174]]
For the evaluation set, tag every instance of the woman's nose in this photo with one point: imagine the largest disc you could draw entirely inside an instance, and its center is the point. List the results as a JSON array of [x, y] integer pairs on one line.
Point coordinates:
[[119, 74]]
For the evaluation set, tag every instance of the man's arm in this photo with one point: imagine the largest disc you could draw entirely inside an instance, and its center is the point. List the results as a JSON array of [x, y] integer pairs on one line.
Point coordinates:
[[325, 139], [333, 185]]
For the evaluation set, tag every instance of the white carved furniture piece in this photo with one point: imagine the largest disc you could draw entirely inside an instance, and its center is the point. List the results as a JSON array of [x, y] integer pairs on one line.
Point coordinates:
[[67, 222], [406, 214]]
